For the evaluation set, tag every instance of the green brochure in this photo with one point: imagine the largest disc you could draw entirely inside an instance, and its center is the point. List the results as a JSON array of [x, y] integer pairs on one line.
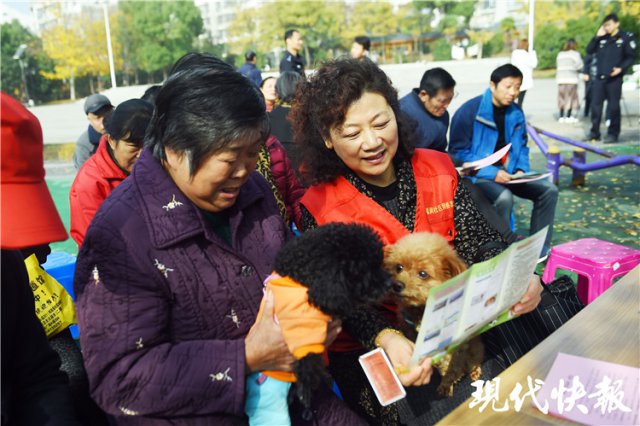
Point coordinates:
[[476, 300]]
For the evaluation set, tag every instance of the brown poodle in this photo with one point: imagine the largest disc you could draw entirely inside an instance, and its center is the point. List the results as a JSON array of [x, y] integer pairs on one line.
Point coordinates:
[[419, 262]]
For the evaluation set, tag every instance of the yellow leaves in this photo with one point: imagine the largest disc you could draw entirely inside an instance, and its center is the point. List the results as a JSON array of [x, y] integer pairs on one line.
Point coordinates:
[[78, 47]]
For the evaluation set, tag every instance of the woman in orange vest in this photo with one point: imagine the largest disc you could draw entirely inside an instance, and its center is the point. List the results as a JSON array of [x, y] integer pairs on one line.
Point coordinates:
[[359, 158]]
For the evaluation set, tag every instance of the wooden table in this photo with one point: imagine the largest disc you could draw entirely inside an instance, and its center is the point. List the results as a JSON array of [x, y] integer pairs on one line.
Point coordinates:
[[608, 329]]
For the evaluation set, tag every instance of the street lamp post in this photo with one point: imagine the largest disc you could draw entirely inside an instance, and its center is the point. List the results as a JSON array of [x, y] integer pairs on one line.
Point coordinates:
[[18, 56], [109, 50], [532, 9]]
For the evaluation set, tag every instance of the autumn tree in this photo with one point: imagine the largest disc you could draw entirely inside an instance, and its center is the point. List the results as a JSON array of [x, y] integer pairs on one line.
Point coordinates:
[[164, 31], [64, 45], [78, 47], [95, 42], [372, 19]]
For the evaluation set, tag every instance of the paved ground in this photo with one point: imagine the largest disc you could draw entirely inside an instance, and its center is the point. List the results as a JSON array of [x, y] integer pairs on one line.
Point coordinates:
[[607, 207]]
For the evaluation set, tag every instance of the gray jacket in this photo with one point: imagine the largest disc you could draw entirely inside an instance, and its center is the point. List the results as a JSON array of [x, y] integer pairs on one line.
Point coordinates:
[[84, 149]]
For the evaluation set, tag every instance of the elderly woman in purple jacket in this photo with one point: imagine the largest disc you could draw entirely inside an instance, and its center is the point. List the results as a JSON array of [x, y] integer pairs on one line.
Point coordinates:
[[169, 277]]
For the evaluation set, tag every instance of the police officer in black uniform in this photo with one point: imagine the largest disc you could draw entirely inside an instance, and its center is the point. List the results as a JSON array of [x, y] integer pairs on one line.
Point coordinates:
[[614, 51], [292, 60]]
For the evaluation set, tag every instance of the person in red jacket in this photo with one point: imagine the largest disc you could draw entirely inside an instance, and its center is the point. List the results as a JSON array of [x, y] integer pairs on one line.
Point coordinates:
[[275, 167], [118, 151]]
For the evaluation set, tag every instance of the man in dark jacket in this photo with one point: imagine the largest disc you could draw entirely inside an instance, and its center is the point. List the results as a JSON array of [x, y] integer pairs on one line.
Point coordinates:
[[292, 61], [34, 390], [614, 51], [427, 105], [249, 68], [97, 107]]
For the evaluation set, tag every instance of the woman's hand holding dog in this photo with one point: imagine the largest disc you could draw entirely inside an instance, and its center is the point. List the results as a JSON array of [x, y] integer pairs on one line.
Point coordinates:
[[530, 299], [265, 348], [399, 350]]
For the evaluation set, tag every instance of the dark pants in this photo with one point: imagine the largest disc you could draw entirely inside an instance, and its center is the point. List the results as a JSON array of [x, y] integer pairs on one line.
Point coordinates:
[[611, 90], [587, 97], [543, 193], [489, 212]]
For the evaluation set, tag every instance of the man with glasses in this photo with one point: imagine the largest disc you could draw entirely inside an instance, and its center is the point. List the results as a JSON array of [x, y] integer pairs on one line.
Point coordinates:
[[427, 105]]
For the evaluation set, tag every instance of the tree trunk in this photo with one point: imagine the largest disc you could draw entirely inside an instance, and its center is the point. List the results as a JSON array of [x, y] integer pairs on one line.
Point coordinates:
[[165, 74], [91, 85], [136, 77], [307, 56]]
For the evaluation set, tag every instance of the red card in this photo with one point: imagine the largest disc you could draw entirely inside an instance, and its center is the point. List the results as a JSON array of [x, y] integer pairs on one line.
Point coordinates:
[[383, 379]]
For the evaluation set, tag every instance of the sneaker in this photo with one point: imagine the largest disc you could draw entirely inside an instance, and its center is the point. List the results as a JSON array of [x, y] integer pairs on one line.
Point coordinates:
[[610, 139], [544, 255], [572, 119], [592, 139], [562, 120]]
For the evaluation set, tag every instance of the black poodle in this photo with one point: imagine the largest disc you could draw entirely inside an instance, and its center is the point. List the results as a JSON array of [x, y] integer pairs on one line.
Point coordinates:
[[341, 265]]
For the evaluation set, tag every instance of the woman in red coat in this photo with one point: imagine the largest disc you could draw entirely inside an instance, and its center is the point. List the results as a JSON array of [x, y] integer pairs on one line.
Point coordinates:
[[118, 150]]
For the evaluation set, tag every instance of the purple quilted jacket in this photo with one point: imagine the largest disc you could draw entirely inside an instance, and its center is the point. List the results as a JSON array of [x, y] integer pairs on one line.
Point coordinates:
[[164, 304]]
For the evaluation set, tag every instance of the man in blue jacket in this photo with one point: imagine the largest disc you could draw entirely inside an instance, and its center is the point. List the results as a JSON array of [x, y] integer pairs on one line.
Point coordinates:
[[487, 123]]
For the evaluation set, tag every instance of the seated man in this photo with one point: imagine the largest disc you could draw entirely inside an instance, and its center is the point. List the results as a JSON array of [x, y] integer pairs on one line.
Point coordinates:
[[96, 107], [487, 123], [427, 106]]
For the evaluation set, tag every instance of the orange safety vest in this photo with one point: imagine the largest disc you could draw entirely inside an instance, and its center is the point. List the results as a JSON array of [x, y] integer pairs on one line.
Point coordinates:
[[339, 201]]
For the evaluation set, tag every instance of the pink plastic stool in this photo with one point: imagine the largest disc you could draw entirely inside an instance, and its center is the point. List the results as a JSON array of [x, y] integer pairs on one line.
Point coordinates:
[[596, 262]]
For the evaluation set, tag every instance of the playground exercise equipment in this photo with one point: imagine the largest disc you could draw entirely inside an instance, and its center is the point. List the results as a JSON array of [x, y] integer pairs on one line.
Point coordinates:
[[578, 161]]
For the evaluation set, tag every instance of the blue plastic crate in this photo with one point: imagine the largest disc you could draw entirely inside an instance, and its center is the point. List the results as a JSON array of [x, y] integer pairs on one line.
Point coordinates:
[[61, 266]]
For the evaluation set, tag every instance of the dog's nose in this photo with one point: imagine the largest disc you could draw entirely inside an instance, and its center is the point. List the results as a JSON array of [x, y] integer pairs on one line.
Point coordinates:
[[398, 286]]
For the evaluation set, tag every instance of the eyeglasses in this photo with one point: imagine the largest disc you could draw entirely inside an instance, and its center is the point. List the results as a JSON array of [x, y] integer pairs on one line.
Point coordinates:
[[442, 100]]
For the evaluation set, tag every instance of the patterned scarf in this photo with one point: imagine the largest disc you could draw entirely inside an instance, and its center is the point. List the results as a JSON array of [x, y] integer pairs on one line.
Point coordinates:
[[405, 206], [264, 168]]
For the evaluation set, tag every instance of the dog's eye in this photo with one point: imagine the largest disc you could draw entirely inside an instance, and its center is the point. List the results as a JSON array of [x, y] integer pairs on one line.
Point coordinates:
[[423, 275], [399, 268]]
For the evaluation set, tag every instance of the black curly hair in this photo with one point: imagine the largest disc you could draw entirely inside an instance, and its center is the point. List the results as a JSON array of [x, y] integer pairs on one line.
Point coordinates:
[[321, 103], [340, 263]]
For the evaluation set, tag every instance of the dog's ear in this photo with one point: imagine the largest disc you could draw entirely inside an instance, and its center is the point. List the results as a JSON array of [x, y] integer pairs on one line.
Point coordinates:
[[454, 265]]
